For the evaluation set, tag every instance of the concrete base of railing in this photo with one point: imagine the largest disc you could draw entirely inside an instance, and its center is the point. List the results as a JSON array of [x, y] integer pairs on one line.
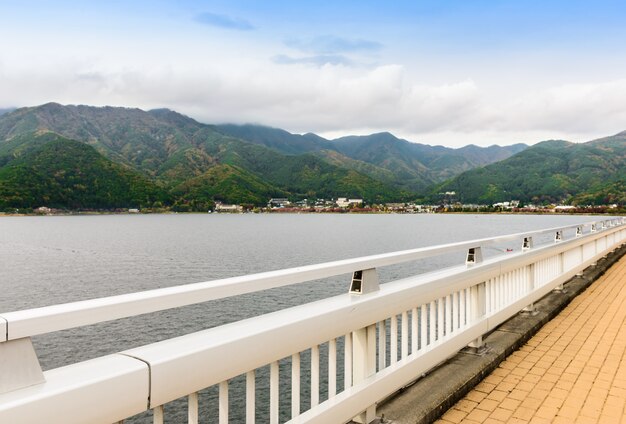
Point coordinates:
[[431, 396]]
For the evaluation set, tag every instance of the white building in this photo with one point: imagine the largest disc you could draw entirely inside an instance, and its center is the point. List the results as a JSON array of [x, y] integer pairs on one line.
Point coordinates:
[[344, 202], [223, 207]]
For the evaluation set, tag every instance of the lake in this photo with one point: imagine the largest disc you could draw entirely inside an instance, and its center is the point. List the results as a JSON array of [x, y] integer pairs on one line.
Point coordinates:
[[55, 259]]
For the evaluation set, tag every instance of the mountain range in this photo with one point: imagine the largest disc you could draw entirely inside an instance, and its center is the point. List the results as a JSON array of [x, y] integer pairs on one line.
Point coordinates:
[[127, 157], [550, 172]]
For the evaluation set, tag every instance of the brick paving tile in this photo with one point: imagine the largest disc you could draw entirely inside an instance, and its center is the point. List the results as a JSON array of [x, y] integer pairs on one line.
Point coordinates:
[[501, 414], [531, 403], [498, 395], [476, 396], [465, 405], [524, 413], [568, 412], [490, 420], [488, 405], [478, 415], [572, 371], [454, 416], [510, 404], [514, 420], [485, 387]]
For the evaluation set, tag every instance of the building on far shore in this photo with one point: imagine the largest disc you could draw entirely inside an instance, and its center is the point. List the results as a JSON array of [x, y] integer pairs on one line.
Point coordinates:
[[278, 203], [344, 202], [223, 207]]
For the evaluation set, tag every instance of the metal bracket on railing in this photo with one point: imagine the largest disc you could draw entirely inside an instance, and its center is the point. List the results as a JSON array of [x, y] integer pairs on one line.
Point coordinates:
[[19, 365], [474, 256], [594, 228], [365, 281], [527, 244], [579, 231], [558, 236], [603, 225]]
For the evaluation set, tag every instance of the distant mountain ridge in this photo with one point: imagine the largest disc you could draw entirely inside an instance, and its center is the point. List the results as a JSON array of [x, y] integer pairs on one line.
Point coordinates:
[[414, 166], [168, 159], [172, 151]]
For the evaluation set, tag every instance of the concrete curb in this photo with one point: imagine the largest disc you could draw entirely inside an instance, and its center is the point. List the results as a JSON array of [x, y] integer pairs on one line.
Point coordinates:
[[431, 396]]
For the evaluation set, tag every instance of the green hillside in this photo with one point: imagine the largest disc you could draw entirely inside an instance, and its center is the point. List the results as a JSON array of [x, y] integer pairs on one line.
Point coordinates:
[[419, 166], [186, 158], [407, 166], [163, 158], [549, 172], [225, 183], [60, 173]]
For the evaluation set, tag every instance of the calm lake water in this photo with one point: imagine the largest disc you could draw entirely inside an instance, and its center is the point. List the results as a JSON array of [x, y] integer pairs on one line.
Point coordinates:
[[57, 259]]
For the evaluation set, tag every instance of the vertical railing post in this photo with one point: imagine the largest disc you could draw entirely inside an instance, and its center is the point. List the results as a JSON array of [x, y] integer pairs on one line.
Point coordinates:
[[530, 287], [364, 364], [478, 303], [364, 340], [478, 298]]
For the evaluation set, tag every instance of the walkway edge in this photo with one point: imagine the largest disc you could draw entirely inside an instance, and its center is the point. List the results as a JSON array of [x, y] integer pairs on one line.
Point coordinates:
[[432, 395]]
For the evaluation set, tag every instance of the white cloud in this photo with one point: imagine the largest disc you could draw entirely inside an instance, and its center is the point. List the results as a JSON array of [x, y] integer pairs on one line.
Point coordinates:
[[331, 99], [582, 108]]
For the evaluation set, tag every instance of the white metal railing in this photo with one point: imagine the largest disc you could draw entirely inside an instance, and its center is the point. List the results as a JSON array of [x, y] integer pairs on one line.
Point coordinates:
[[387, 335]]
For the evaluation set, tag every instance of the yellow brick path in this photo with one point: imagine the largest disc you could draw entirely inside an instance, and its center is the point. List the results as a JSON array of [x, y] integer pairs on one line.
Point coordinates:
[[572, 371]]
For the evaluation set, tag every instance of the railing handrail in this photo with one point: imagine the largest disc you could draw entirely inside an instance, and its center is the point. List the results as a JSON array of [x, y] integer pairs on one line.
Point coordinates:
[[321, 321], [449, 308], [47, 319]]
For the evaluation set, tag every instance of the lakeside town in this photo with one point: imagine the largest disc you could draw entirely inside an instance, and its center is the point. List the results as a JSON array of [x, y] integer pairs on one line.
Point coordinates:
[[350, 205]]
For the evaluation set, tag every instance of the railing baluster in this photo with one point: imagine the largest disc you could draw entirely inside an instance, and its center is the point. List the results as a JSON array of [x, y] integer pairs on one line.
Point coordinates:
[[423, 326], [440, 321], [295, 385], [347, 361], [405, 335], [455, 311], [432, 323], [462, 300], [394, 339], [157, 415], [250, 397], [315, 376], [448, 315], [414, 330], [274, 393], [332, 368], [192, 408], [223, 408], [382, 344]]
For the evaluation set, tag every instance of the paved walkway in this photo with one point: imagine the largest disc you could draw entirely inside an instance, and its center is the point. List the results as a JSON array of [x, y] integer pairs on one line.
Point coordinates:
[[572, 370]]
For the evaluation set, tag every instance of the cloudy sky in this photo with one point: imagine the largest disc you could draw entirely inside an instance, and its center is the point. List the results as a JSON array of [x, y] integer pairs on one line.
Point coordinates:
[[435, 72]]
